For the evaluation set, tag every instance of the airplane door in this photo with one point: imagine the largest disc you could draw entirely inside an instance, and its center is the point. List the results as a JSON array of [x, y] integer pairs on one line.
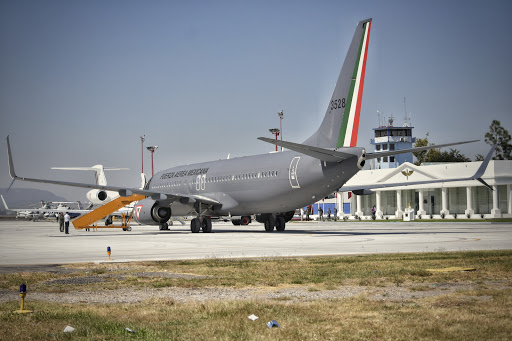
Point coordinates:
[[294, 182]]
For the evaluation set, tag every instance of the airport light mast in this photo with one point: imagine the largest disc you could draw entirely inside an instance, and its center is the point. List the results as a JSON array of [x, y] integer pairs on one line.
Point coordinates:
[[276, 132], [142, 138], [281, 114], [152, 150]]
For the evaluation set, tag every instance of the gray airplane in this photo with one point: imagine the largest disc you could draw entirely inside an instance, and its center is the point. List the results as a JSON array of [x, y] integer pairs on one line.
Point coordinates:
[[270, 186]]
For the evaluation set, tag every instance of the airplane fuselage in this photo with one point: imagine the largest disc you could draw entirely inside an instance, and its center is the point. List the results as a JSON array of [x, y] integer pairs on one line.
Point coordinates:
[[265, 183]]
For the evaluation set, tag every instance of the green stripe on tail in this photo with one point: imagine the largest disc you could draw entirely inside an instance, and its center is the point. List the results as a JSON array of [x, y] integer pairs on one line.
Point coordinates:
[[348, 105]]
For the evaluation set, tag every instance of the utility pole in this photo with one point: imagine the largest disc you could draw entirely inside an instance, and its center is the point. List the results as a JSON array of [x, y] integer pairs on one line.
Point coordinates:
[[152, 150], [281, 114], [142, 139], [275, 131]]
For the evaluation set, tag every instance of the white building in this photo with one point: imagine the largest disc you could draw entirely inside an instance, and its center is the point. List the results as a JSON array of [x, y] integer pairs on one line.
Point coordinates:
[[389, 138], [461, 199]]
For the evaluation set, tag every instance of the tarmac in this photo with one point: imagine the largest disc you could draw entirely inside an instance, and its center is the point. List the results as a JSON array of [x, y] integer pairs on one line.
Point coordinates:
[[36, 243]]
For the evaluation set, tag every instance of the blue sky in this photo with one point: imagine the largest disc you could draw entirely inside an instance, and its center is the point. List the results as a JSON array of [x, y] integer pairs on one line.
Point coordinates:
[[80, 81]]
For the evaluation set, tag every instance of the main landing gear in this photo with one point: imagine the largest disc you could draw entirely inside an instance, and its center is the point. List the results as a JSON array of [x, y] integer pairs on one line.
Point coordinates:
[[277, 220], [198, 224], [201, 222], [272, 220]]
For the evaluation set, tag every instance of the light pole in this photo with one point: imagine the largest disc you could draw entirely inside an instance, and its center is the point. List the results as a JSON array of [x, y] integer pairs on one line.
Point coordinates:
[[281, 114], [142, 138], [275, 131], [152, 150]]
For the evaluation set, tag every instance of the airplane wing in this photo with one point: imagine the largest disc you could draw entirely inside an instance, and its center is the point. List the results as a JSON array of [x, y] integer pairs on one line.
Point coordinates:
[[89, 168], [123, 191], [367, 189]]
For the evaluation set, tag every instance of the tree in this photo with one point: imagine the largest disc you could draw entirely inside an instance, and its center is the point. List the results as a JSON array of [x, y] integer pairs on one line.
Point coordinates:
[[499, 136], [436, 155], [421, 156], [479, 157]]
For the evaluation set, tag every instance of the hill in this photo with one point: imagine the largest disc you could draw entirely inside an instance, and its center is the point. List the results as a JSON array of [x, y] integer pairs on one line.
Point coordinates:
[[26, 197]]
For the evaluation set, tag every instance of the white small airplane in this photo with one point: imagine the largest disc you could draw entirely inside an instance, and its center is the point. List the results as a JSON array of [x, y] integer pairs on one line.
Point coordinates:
[[97, 196], [45, 211], [101, 197]]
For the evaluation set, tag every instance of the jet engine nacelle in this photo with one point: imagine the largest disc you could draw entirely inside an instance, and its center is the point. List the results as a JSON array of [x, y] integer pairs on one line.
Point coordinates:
[[362, 159], [151, 212], [97, 196]]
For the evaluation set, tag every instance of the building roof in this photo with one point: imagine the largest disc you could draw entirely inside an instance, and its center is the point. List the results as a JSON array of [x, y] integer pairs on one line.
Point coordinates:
[[498, 172]]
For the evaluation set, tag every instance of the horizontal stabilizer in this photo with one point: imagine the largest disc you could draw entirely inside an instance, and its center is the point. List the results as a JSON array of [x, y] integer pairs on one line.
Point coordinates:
[[413, 150], [477, 176], [315, 152]]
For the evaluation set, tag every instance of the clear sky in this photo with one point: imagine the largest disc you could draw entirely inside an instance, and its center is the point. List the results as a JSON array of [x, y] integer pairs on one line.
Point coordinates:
[[81, 81]]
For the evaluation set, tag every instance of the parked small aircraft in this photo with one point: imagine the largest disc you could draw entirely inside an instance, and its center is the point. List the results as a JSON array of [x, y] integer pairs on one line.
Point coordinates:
[[46, 210], [271, 186], [97, 196]]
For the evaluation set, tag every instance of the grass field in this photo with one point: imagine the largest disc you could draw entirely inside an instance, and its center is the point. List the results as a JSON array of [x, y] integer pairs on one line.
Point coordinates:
[[392, 297]]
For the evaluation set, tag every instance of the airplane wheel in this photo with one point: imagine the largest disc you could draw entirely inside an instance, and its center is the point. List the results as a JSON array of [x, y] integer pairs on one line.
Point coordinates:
[[236, 222], [280, 224], [206, 225], [163, 226], [269, 227], [245, 220], [195, 225]]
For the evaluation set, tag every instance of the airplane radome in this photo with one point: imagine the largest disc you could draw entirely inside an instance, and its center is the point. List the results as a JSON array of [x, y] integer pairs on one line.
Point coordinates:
[[268, 186]]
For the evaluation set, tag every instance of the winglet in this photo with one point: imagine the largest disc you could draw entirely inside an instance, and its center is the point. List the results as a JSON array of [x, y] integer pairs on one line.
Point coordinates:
[[12, 173], [481, 170], [5, 204]]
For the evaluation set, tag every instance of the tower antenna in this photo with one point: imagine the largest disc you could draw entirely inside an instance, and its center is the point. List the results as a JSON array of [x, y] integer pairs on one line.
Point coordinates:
[[407, 118]]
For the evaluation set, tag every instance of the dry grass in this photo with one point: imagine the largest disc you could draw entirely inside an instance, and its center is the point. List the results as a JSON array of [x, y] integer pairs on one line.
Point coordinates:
[[368, 270], [484, 311], [452, 317]]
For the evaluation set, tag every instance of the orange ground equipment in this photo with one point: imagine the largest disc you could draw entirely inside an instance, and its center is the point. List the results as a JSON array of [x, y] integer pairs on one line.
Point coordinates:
[[88, 220]]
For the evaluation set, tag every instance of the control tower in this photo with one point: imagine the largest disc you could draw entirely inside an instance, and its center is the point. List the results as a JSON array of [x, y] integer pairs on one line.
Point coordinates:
[[388, 138]]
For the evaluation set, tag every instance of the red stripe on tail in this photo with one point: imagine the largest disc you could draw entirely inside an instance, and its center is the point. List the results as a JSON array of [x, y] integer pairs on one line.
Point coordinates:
[[353, 140]]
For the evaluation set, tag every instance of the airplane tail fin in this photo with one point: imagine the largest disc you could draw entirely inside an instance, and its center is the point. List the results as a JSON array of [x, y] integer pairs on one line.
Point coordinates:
[[340, 125], [143, 181], [99, 172]]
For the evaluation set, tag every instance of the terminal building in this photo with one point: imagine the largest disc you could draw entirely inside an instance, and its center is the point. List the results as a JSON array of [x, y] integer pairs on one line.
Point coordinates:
[[450, 200]]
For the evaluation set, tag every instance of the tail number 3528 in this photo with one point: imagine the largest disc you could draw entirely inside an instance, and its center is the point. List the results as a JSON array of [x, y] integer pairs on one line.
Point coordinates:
[[337, 104]]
